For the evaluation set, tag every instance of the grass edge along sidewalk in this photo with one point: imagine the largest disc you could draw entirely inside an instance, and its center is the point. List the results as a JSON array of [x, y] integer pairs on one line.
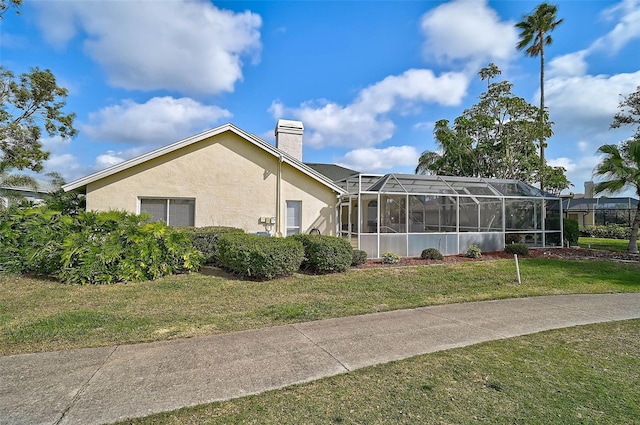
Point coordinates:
[[585, 374], [38, 315]]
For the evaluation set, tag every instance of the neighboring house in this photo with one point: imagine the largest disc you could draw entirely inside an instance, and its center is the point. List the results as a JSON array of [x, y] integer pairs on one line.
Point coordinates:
[[222, 177], [228, 177], [25, 192], [590, 211]]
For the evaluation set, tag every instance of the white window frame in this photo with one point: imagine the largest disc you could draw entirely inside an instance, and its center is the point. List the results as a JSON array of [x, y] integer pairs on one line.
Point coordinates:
[[168, 201], [299, 217]]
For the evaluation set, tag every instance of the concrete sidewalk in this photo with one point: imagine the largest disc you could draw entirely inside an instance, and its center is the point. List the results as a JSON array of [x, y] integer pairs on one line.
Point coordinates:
[[103, 385]]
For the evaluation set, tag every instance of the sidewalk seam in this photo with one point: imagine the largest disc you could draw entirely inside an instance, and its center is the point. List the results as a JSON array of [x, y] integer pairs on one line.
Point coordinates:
[[547, 300], [472, 325], [84, 387], [322, 348]]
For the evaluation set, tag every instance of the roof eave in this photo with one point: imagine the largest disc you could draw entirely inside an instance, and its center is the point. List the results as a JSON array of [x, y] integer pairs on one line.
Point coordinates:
[[84, 181]]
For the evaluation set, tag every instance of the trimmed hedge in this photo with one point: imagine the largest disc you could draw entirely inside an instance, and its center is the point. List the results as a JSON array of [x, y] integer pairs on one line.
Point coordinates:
[[259, 258], [517, 248], [611, 231], [431, 254], [358, 258], [325, 254], [205, 239]]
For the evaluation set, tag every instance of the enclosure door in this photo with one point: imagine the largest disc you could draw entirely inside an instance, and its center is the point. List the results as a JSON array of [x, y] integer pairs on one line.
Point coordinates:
[[345, 220]]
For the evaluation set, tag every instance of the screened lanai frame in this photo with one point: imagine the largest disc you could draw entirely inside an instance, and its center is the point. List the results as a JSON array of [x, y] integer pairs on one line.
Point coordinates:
[[446, 213]]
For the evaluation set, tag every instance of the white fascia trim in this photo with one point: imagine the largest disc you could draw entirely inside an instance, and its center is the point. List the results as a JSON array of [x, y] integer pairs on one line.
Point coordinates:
[[83, 181]]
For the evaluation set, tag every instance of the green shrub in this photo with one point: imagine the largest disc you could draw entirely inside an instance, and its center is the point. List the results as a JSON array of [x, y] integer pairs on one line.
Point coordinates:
[[571, 230], [358, 257], [610, 231], [92, 247], [431, 254], [390, 258], [325, 254], [205, 239], [517, 248], [31, 240], [259, 258], [68, 203], [474, 252], [116, 246]]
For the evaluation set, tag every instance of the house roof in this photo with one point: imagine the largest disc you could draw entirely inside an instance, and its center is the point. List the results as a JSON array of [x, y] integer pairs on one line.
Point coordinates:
[[42, 187], [587, 204], [251, 138], [446, 185], [332, 171]]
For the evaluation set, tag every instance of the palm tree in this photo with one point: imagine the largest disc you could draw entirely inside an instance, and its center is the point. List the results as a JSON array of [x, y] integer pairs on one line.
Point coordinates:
[[9, 181], [621, 166], [534, 35]]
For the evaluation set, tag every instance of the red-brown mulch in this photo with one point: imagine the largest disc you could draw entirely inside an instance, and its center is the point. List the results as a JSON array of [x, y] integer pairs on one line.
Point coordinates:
[[567, 253]]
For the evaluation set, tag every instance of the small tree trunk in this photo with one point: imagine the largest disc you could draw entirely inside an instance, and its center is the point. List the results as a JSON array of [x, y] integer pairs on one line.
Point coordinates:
[[633, 239]]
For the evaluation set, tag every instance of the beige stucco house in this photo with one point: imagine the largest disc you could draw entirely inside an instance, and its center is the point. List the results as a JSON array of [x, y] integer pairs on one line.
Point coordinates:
[[601, 211], [222, 177]]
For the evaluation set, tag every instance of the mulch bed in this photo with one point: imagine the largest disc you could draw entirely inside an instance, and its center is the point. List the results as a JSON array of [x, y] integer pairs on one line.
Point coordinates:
[[566, 253]]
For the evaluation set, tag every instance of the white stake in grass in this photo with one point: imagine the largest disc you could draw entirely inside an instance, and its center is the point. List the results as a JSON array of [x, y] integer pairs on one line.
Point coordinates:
[[515, 256]]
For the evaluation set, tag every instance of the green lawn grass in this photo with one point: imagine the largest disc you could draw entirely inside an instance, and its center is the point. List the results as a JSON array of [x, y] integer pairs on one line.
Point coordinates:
[[40, 315], [617, 245], [582, 375]]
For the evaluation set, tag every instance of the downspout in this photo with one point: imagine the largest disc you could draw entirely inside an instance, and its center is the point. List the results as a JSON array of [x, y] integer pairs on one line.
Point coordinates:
[[279, 199]]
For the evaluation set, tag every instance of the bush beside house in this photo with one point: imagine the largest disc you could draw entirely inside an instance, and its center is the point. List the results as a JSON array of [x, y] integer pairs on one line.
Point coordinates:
[[92, 247], [259, 258], [431, 254], [517, 248], [205, 239], [358, 257], [325, 254], [474, 251]]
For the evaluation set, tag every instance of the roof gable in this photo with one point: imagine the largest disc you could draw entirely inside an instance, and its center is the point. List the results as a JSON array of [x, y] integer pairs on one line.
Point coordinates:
[[267, 147]]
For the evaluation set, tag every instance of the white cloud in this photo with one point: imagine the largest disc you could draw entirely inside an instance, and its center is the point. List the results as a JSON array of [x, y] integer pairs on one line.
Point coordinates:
[[188, 46], [55, 144], [626, 30], [567, 163], [110, 158], [364, 122], [587, 104], [572, 64], [465, 30], [584, 146], [371, 160], [424, 126], [579, 170], [66, 164], [158, 121]]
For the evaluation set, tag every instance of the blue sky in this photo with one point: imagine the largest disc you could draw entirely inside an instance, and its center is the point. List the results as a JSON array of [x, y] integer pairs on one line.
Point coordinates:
[[368, 79]]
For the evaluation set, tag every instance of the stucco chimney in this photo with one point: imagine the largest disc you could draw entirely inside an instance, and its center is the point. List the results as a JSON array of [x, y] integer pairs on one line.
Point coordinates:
[[289, 137], [588, 189]]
